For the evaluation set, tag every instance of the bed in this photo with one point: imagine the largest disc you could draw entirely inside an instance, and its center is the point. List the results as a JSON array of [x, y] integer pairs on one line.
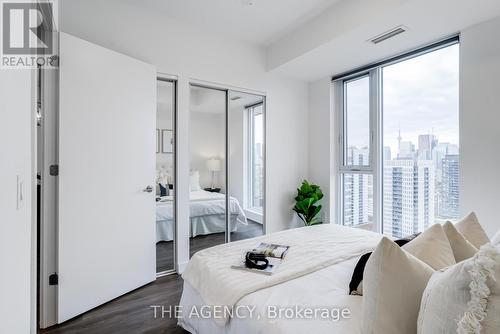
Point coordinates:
[[317, 281], [207, 212]]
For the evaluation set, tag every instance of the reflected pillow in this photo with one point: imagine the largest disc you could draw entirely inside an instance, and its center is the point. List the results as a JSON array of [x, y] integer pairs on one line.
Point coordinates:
[[163, 190], [194, 181]]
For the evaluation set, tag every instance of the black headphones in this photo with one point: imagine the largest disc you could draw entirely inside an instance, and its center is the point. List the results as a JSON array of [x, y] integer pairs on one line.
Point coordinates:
[[252, 261]]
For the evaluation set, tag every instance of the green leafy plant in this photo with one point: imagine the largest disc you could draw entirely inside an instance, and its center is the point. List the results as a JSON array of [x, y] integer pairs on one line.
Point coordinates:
[[307, 196]]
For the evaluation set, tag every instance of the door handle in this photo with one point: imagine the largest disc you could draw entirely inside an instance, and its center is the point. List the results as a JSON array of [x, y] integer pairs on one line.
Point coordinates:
[[148, 189]]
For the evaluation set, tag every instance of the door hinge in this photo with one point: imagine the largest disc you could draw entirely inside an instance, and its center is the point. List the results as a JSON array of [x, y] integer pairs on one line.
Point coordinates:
[[54, 170], [54, 279]]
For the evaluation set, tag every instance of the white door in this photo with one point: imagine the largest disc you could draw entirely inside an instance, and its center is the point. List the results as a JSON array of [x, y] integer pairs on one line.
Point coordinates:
[[106, 161], [16, 177]]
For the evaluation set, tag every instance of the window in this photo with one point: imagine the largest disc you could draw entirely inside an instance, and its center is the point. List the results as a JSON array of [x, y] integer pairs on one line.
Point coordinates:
[[357, 169], [256, 158], [357, 122], [400, 143]]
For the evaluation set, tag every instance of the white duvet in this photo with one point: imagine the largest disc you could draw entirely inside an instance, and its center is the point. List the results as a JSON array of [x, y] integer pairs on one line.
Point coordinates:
[[313, 248], [328, 287], [201, 203]]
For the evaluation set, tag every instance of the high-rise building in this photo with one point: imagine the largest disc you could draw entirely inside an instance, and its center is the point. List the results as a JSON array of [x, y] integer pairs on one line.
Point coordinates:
[[408, 196], [387, 153], [426, 144], [441, 150], [358, 191], [406, 150], [449, 194]]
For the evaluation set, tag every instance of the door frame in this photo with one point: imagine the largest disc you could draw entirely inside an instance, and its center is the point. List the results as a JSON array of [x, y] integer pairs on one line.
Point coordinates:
[[47, 154], [173, 79]]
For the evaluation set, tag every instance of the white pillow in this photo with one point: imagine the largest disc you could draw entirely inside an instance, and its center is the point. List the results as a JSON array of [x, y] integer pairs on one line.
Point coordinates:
[[496, 239], [464, 298], [393, 283], [432, 247], [472, 230], [462, 249], [194, 181]]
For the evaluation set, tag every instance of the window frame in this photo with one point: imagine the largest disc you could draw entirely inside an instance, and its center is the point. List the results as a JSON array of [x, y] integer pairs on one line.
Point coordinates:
[[344, 167], [375, 168], [250, 155]]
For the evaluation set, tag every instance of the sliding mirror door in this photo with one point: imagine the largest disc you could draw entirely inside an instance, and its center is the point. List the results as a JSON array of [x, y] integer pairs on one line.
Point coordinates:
[[246, 165], [165, 176], [207, 186]]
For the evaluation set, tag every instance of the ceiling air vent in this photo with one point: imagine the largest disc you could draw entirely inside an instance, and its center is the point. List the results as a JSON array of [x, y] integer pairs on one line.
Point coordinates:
[[388, 34]]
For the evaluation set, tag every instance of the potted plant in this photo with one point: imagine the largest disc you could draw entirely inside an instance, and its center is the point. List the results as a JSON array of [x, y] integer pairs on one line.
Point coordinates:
[[307, 196]]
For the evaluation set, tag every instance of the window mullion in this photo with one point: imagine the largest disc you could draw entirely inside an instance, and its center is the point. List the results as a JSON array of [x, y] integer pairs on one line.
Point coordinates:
[[376, 142]]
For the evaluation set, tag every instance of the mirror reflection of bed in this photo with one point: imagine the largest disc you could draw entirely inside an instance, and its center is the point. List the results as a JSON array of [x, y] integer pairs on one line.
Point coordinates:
[[210, 196], [165, 178]]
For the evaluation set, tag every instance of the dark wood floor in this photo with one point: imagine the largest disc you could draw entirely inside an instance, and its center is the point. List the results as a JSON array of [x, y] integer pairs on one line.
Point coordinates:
[[164, 249], [133, 312]]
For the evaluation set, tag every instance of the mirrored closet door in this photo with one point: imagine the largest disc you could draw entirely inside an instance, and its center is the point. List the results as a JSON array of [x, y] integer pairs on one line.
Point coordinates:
[[165, 176], [227, 167]]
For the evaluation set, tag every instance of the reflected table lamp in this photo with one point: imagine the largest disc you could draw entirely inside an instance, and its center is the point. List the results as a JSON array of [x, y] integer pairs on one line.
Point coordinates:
[[213, 166]]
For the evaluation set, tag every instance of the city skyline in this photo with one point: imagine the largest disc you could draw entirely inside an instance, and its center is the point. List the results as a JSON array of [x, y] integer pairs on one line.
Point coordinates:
[[420, 186], [408, 105]]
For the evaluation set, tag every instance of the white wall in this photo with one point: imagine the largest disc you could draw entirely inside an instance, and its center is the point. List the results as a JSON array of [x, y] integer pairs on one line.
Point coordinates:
[[179, 49], [207, 141], [322, 145], [479, 123], [16, 140]]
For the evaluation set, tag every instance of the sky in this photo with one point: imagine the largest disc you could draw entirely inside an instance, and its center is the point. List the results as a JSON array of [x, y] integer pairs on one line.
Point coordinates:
[[420, 96]]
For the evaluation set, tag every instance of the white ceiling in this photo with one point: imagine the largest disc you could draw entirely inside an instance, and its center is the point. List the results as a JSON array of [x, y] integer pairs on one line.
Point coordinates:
[[312, 39], [341, 34], [260, 23]]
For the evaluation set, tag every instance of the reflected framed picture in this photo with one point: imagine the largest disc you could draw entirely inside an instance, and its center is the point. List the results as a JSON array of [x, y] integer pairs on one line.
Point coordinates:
[[167, 141], [158, 141]]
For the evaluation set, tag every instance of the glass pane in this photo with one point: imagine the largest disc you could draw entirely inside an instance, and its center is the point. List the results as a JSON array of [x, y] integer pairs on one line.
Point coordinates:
[[358, 200], [357, 122], [165, 176], [246, 184], [421, 142], [207, 138], [257, 162]]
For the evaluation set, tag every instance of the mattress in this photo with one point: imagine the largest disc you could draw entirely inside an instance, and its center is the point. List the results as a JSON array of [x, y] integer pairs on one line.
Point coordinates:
[[201, 203], [325, 289], [207, 215]]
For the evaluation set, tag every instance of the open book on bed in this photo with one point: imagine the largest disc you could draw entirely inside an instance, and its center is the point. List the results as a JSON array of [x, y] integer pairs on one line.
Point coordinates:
[[274, 254]]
